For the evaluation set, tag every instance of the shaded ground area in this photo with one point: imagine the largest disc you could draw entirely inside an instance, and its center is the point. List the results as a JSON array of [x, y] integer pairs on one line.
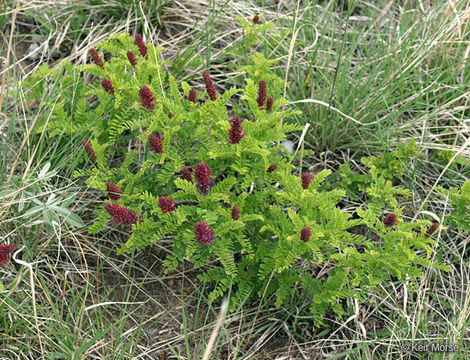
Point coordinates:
[[92, 303]]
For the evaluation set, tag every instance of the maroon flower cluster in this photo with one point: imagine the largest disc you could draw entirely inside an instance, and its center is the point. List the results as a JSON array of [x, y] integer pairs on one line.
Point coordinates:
[[432, 228], [121, 215], [271, 168], [210, 87], [192, 96], [113, 191], [390, 220], [262, 93], [139, 41], [269, 104], [235, 213], [255, 19], [132, 59], [96, 57], [89, 150], [170, 115], [146, 97], [186, 174], [166, 204], [235, 132], [203, 177], [306, 180], [204, 234], [155, 144], [305, 234], [5, 253], [108, 86]]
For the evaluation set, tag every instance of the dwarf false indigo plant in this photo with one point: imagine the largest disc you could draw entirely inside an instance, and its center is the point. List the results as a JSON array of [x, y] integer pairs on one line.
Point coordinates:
[[89, 150], [146, 98], [235, 213], [5, 253], [139, 40], [108, 86], [305, 234], [210, 87], [390, 220], [262, 93], [202, 173], [121, 215], [155, 144], [269, 104], [223, 190], [96, 57], [432, 228], [271, 168], [131, 58], [235, 132], [186, 172], [166, 205], [192, 96], [306, 180], [204, 234], [113, 191]]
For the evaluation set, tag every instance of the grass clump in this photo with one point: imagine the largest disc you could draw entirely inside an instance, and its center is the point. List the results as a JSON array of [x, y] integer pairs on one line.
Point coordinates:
[[66, 292]]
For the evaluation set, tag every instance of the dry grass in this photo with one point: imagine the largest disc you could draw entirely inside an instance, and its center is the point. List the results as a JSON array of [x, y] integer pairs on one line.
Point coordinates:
[[68, 293]]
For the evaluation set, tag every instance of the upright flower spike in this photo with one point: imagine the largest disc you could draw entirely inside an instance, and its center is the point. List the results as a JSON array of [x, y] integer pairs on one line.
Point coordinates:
[[210, 87], [113, 191], [121, 215], [89, 150], [432, 228], [262, 93], [108, 86], [139, 41], [170, 115], [131, 58], [204, 234], [271, 168], [146, 98], [203, 177], [306, 180], [5, 253], [166, 204], [192, 96], [269, 104], [186, 174], [390, 220], [96, 57], [155, 144], [255, 19], [235, 133], [305, 234], [235, 213]]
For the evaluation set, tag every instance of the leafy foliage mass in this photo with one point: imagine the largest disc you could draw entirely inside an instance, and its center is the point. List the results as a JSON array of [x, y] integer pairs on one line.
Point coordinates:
[[233, 207]]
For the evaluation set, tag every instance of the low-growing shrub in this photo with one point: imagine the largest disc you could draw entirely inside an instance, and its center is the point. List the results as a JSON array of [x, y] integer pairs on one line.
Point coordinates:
[[205, 170]]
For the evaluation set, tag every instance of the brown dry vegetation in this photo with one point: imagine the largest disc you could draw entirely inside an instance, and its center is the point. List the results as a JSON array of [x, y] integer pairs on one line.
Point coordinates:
[[75, 298]]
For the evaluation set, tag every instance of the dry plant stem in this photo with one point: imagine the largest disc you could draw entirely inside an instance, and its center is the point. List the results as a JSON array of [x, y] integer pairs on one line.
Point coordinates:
[[7, 60], [289, 57], [329, 106], [33, 294], [215, 331], [301, 143]]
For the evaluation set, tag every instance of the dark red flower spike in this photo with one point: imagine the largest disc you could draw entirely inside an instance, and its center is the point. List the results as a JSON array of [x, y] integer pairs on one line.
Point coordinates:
[[204, 234]]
